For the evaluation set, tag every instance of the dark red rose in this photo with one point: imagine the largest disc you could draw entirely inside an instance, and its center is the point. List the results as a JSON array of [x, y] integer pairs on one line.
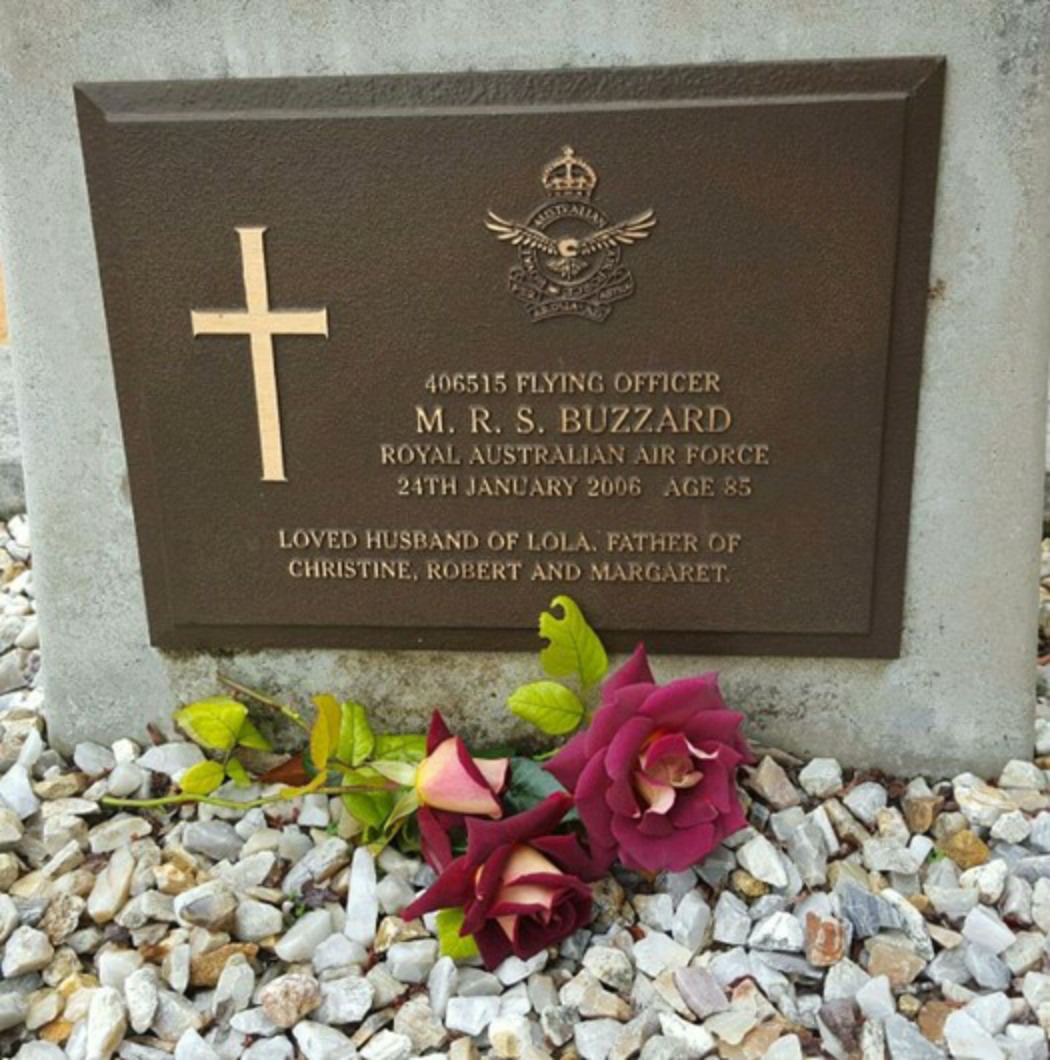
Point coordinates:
[[451, 785], [654, 776], [520, 887]]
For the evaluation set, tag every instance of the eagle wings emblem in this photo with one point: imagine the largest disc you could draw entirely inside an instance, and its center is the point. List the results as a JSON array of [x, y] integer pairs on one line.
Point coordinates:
[[569, 252]]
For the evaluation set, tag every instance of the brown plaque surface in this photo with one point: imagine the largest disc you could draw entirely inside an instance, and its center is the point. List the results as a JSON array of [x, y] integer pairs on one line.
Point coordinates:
[[399, 358]]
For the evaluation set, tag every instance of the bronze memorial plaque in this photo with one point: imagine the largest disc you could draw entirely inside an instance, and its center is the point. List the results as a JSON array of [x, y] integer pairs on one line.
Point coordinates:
[[400, 358]]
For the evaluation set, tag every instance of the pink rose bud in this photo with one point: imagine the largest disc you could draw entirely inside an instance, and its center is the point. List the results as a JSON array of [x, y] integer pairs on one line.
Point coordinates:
[[449, 779]]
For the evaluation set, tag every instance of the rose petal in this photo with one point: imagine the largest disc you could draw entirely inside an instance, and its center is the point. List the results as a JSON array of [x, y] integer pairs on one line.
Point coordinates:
[[623, 751], [438, 732], [610, 718], [677, 704], [484, 837], [590, 802], [567, 765], [527, 861], [495, 771], [620, 797], [655, 824], [660, 797], [567, 853], [690, 809], [452, 888], [673, 853], [663, 744], [633, 672], [448, 780], [434, 840]]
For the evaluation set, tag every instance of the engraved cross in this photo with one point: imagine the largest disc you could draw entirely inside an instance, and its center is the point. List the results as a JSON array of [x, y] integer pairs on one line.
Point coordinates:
[[261, 323]]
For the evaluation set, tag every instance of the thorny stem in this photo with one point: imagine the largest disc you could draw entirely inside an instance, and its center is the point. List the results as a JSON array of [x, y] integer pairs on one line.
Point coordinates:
[[287, 711]]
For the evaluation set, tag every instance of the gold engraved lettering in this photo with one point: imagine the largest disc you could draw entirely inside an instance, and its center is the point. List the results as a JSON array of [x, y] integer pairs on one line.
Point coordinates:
[[260, 323]]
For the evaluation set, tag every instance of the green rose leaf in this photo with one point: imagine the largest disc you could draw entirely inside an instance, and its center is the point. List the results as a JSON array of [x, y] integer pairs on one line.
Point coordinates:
[[403, 773], [214, 723], [249, 736], [400, 747], [371, 809], [238, 774], [452, 943], [551, 707], [356, 739], [573, 648], [530, 784], [203, 778]]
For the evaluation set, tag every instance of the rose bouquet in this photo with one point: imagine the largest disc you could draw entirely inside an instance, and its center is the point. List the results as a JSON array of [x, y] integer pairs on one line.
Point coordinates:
[[646, 779]]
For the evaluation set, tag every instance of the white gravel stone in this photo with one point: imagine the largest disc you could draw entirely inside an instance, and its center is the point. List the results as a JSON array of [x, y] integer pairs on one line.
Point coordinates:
[[16, 791], [210, 905], [967, 1038], [658, 953], [691, 920], [93, 758], [411, 962], [985, 929], [345, 1000], [26, 950], [337, 951], [191, 1046], [865, 801], [171, 759], [759, 857], [254, 921], [471, 1015], [362, 903], [875, 998], [106, 1023], [1012, 827], [304, 936], [140, 996], [821, 778], [388, 1045], [594, 1039], [1018, 773], [318, 1042]]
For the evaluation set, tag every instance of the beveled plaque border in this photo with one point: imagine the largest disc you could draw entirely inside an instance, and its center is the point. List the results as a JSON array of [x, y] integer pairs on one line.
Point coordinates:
[[917, 82]]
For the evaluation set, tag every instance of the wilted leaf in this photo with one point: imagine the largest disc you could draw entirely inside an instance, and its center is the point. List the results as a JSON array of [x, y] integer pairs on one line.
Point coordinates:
[[574, 647], [452, 943], [203, 778], [356, 739], [215, 723], [294, 793], [320, 744], [296, 770], [549, 706]]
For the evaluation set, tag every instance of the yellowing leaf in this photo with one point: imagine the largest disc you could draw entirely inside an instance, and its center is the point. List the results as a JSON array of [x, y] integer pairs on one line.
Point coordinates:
[[294, 793], [238, 774], [574, 647], [249, 736], [203, 778], [214, 723], [549, 706], [356, 739], [324, 732], [328, 707], [452, 943]]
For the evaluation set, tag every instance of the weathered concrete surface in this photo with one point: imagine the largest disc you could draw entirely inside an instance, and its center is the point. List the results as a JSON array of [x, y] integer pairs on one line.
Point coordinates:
[[12, 488], [961, 694]]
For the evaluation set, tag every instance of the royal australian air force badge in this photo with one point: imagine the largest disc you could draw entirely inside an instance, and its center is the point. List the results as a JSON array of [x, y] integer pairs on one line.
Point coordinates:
[[569, 253]]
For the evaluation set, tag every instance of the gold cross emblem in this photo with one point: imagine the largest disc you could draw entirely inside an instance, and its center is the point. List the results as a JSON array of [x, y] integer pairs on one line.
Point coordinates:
[[261, 323]]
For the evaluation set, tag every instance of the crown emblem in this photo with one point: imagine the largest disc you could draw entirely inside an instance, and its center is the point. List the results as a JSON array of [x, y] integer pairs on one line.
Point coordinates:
[[569, 250], [569, 175]]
